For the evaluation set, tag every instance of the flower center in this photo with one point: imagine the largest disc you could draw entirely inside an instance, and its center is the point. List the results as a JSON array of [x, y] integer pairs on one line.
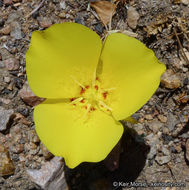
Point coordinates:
[[92, 97]]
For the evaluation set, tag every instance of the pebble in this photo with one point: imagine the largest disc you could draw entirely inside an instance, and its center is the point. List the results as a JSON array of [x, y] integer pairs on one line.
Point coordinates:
[[6, 30], [187, 149], [148, 117], [162, 118], [12, 64], [132, 17], [44, 22], [16, 148], [14, 16], [7, 79], [155, 126], [28, 96], [153, 141], [5, 117], [185, 2], [16, 30], [170, 80], [62, 15], [172, 121], [63, 5], [2, 65], [163, 159], [50, 176], [7, 2], [5, 101], [6, 164], [165, 151]]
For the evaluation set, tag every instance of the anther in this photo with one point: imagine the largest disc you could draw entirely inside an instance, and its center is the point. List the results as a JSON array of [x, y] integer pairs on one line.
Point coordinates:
[[82, 101], [82, 91], [104, 94], [96, 87]]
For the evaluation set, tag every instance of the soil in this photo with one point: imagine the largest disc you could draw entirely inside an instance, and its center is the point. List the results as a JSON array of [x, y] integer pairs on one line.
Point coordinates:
[[152, 150]]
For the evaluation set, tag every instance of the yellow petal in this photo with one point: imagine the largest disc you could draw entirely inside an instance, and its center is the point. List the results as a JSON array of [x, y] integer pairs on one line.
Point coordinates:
[[68, 132], [61, 57], [132, 70]]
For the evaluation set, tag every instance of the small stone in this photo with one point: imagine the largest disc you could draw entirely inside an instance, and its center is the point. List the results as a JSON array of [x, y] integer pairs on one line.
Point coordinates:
[[2, 65], [172, 121], [32, 137], [152, 153], [44, 22], [14, 16], [170, 80], [187, 149], [155, 126], [5, 101], [153, 141], [5, 117], [16, 148], [7, 2], [50, 176], [45, 152], [6, 164], [132, 17], [165, 151], [28, 96], [12, 64], [16, 30], [63, 5], [7, 79], [148, 117], [62, 15], [163, 159], [185, 2], [6, 30], [162, 118]]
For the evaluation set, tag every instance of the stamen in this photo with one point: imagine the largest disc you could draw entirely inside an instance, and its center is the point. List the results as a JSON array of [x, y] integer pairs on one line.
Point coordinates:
[[107, 107], [109, 89], [76, 100], [77, 82], [88, 107], [104, 94], [94, 78]]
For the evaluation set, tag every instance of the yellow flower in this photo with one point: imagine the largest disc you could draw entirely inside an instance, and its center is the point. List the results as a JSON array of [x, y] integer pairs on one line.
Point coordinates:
[[89, 87]]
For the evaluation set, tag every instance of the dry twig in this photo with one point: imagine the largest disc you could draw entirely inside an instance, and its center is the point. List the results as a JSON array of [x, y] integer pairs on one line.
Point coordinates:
[[36, 9], [183, 53]]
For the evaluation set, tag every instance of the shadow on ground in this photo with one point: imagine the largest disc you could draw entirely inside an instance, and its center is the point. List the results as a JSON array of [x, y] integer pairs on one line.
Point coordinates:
[[96, 176]]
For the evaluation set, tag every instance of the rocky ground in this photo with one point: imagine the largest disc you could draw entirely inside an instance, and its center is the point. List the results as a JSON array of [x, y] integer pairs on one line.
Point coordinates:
[[156, 149]]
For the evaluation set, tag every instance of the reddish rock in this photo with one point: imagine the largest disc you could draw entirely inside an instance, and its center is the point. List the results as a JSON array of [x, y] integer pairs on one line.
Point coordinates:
[[11, 64], [6, 164], [170, 80], [29, 97], [44, 22]]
